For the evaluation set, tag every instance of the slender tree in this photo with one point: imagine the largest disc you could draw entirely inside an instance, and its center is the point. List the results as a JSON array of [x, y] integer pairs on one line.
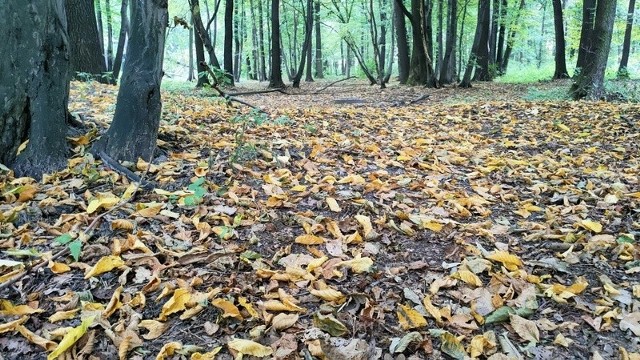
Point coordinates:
[[590, 81], [501, 35], [448, 71], [403, 44], [623, 73], [228, 40], [276, 54], [319, 65], [34, 85], [477, 44], [122, 39], [202, 32], [512, 37], [134, 130], [483, 53], [109, 54], [84, 39], [201, 68], [306, 45], [561, 62]]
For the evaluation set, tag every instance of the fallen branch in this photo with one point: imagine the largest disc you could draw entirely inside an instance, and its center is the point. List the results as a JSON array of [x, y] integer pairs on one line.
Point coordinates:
[[333, 83], [258, 92], [88, 233], [227, 96], [126, 172]]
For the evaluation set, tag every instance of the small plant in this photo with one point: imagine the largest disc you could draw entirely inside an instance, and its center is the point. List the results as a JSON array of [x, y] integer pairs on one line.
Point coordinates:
[[199, 191], [74, 245], [246, 150]]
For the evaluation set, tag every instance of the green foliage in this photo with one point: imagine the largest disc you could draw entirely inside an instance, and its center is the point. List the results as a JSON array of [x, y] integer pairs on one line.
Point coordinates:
[[551, 94], [199, 191], [623, 90], [75, 246]]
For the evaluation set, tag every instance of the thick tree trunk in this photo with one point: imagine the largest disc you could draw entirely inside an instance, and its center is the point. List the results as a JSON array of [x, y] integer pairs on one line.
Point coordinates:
[[122, 39], [319, 65], [477, 44], [276, 54], [34, 85], [87, 58], [403, 44], [590, 81], [623, 73], [447, 72], [585, 50], [561, 62], [421, 69], [134, 130], [228, 41], [483, 73]]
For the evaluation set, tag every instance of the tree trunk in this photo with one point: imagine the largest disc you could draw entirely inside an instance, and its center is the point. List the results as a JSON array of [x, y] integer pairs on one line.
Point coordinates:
[[261, 45], [203, 77], [134, 130], [238, 39], [493, 34], [190, 76], [276, 54], [440, 41], [585, 50], [87, 58], [623, 73], [447, 72], [421, 69], [542, 31], [561, 62], [403, 44], [512, 37], [460, 39], [34, 85], [228, 41], [478, 43], [483, 73], [501, 35], [319, 70], [109, 36], [98, 9], [306, 44], [122, 39], [590, 81], [310, 16], [203, 34]]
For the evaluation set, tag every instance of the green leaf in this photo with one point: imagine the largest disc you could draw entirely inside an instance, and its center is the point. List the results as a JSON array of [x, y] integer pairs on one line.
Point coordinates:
[[63, 239], [625, 239], [250, 255], [500, 315], [23, 252], [75, 248], [199, 181]]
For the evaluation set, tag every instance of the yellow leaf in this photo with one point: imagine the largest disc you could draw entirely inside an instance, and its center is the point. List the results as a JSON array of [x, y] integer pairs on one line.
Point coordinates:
[[105, 264], [316, 263], [358, 264], [367, 229], [482, 344], [71, 338], [563, 127], [468, 277], [211, 355], [432, 309], [299, 188], [594, 226], [177, 303], [155, 328], [308, 239], [432, 225], [562, 340], [277, 305], [410, 318], [168, 349], [230, 310], [247, 306], [248, 347], [11, 325], [511, 262], [122, 224], [102, 202], [58, 268], [38, 340], [284, 321], [63, 315], [333, 204], [327, 294], [8, 309]]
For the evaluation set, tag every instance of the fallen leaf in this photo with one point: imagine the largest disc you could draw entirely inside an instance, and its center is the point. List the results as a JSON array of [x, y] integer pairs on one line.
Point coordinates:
[[71, 338], [248, 347], [105, 264]]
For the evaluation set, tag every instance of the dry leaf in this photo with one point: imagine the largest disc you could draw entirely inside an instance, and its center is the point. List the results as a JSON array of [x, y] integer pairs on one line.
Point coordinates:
[[105, 264], [248, 347]]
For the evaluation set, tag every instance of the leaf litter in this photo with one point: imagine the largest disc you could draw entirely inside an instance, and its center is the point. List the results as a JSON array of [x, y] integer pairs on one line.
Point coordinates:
[[504, 229]]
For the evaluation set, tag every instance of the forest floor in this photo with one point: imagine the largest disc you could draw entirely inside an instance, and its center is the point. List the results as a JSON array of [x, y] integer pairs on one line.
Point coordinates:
[[352, 224]]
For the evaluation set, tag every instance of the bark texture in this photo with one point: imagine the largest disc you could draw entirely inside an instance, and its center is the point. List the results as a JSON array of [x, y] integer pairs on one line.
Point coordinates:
[[87, 55], [560, 58], [276, 52]]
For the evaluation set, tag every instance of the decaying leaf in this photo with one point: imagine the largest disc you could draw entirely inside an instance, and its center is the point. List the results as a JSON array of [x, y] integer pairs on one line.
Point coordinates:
[[71, 338], [105, 264], [248, 347]]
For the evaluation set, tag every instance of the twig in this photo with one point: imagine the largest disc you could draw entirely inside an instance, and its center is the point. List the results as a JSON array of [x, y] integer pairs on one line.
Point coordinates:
[[88, 232], [225, 95], [258, 92], [333, 83], [128, 173]]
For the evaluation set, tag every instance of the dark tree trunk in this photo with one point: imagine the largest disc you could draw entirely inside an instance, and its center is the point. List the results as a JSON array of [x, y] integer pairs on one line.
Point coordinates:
[[276, 54], [585, 50], [201, 31], [134, 130], [98, 9], [34, 85], [383, 40], [203, 78], [403, 44], [228, 41], [109, 36], [122, 39], [590, 81], [460, 47], [261, 46], [319, 70], [440, 41], [238, 39], [501, 34], [493, 34], [306, 45], [421, 69], [483, 73], [561, 62], [623, 73], [191, 45], [310, 16], [476, 49], [447, 72], [512, 37], [86, 49]]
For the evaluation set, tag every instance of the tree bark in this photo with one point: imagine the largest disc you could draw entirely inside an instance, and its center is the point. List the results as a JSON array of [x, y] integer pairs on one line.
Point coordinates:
[[201, 68], [319, 65], [623, 73], [560, 58], [483, 73], [310, 16], [421, 69], [403, 44], [122, 39], [87, 56], [447, 72], [202, 32], [228, 41], [477, 44], [306, 45], [262, 44], [109, 36], [512, 37], [191, 45], [590, 81], [440, 41], [501, 34], [493, 34], [134, 130], [34, 85], [586, 34], [276, 54]]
